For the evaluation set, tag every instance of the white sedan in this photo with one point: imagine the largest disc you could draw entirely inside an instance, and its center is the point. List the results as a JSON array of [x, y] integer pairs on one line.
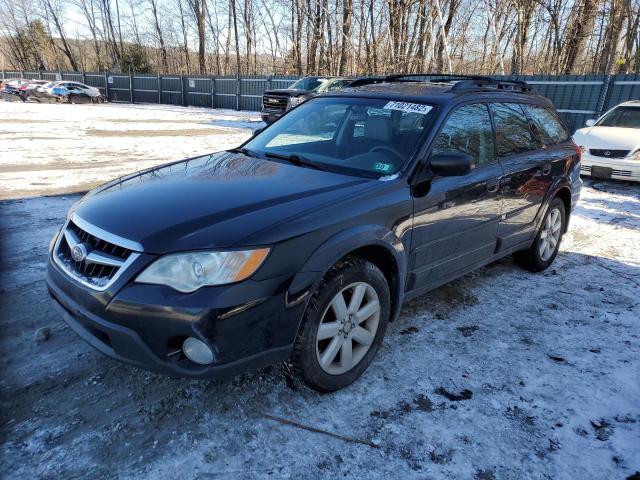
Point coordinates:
[[611, 144]]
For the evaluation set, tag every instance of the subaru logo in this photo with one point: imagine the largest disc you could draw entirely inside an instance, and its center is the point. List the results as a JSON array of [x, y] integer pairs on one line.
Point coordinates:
[[607, 153], [79, 252]]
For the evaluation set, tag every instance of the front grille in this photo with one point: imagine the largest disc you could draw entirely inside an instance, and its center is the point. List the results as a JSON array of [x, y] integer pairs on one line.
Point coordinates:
[[274, 102], [102, 262], [609, 153]]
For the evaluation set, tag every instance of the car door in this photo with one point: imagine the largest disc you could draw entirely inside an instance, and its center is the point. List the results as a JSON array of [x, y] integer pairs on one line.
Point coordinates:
[[527, 173], [455, 224]]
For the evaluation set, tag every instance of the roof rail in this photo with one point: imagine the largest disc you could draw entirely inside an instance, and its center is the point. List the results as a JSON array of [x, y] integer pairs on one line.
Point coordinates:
[[493, 83], [442, 77], [367, 81], [463, 82]]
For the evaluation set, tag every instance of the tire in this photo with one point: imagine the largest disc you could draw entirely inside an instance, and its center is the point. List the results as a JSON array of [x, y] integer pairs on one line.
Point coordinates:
[[351, 279], [543, 252]]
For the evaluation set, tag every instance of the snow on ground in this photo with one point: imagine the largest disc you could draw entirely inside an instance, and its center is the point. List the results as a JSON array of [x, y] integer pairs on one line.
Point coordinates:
[[502, 374], [75, 147]]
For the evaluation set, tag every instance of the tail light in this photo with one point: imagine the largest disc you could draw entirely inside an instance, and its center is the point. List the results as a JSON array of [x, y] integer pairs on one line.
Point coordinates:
[[579, 151]]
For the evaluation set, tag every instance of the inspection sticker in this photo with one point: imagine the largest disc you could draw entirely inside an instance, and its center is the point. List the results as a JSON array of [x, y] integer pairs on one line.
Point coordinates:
[[408, 107], [382, 167]]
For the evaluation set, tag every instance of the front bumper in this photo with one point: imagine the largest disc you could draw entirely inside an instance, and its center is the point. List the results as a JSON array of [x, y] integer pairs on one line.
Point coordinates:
[[621, 168], [246, 325], [269, 117]]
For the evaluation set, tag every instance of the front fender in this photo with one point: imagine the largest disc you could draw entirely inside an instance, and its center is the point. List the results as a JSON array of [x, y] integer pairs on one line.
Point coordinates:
[[340, 245]]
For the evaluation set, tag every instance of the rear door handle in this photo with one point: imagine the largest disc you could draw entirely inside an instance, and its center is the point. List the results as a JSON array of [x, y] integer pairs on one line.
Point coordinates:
[[493, 185], [546, 170]]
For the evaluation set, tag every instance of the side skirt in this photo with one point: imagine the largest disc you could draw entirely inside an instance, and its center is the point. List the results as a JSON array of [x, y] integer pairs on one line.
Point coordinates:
[[422, 289]]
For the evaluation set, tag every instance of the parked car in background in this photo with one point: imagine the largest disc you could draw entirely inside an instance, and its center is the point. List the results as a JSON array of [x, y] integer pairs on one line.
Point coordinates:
[[43, 94], [66, 91], [13, 89], [31, 86], [611, 144], [302, 245], [276, 102]]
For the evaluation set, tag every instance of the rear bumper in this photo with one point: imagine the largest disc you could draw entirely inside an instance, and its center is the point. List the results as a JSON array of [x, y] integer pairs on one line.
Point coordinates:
[[622, 169], [145, 325]]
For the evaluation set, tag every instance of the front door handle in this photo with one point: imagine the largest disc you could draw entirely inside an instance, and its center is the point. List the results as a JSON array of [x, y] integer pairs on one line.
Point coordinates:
[[546, 170], [493, 185]]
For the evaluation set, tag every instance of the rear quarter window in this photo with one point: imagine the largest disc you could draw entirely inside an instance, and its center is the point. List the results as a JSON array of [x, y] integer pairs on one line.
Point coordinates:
[[547, 123], [513, 134]]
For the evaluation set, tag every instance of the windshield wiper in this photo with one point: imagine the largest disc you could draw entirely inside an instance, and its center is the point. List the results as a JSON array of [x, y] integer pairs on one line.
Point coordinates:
[[296, 160], [245, 151]]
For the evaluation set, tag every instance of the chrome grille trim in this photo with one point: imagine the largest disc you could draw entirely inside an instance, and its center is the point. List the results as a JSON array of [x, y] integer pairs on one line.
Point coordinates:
[[602, 152], [96, 259], [275, 102], [107, 236]]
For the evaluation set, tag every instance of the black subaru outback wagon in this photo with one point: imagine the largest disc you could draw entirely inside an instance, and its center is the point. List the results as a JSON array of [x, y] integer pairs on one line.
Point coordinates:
[[304, 243]]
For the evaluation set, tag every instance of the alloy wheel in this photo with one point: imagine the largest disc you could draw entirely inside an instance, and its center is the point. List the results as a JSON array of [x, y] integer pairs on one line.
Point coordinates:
[[550, 234], [348, 328]]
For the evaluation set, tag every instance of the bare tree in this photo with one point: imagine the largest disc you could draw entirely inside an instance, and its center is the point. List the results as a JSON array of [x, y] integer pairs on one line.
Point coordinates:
[[326, 37]]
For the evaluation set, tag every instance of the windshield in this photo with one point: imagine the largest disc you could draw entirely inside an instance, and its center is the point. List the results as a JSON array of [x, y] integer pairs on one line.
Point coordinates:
[[307, 83], [362, 136], [625, 117]]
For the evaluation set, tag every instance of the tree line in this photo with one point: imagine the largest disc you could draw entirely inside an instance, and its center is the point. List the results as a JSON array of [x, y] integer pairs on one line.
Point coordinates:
[[323, 37]]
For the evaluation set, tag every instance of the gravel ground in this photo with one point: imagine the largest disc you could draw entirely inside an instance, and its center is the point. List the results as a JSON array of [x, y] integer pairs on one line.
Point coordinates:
[[500, 374]]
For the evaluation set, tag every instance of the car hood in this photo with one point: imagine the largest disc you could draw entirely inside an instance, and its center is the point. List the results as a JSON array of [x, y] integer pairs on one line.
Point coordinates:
[[288, 93], [608, 138], [214, 201]]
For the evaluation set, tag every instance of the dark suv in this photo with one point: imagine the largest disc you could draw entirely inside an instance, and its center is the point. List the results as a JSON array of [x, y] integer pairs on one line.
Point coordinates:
[[276, 102], [304, 243]]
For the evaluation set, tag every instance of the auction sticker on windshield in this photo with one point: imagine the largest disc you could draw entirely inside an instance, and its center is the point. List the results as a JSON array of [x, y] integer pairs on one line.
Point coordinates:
[[408, 107]]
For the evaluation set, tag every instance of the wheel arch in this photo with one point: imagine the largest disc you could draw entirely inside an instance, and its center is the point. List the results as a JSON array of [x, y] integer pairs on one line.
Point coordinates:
[[375, 244], [564, 194]]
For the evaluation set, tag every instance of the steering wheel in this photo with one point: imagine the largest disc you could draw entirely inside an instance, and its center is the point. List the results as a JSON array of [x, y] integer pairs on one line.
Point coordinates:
[[392, 150]]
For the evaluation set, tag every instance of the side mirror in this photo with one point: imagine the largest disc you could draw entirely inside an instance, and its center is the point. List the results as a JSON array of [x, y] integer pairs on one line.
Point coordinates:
[[452, 164], [590, 123]]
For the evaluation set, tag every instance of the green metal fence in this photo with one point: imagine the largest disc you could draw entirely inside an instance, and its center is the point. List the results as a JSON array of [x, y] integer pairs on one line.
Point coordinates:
[[576, 97]]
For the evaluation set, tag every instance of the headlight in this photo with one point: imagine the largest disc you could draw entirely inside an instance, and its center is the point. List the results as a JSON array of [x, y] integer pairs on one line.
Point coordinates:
[[636, 155], [293, 101], [187, 272]]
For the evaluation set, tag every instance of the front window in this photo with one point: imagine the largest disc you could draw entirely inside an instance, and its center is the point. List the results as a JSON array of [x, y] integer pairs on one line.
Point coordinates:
[[307, 83], [468, 130], [623, 117], [362, 136]]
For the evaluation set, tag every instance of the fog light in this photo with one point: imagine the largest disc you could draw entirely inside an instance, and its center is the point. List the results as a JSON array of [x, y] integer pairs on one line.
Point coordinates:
[[197, 351]]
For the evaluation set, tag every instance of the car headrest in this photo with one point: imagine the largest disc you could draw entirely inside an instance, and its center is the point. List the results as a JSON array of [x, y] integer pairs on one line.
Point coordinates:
[[378, 127]]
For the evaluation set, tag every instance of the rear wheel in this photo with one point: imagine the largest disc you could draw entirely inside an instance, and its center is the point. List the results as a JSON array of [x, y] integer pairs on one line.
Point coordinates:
[[545, 247], [343, 326]]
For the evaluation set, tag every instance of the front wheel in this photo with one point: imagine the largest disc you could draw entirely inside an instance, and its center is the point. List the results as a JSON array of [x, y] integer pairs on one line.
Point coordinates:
[[343, 326], [545, 246]]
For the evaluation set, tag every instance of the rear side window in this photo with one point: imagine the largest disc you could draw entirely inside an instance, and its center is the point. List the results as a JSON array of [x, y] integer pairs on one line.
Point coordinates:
[[513, 134], [468, 130], [550, 128]]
